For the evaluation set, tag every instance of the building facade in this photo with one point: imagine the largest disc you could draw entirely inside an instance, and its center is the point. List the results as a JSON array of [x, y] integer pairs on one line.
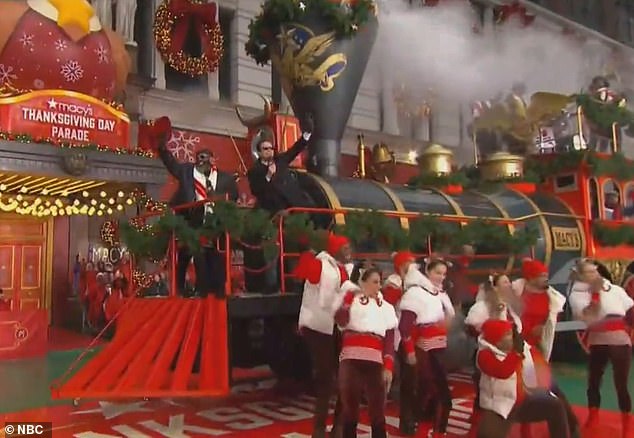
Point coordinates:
[[207, 104]]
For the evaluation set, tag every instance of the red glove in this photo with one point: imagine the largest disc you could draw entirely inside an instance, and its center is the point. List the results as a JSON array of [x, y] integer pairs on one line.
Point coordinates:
[[162, 127], [348, 299], [308, 268]]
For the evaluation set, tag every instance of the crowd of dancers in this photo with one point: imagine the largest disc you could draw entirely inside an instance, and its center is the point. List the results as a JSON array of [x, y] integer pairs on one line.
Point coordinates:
[[358, 325]]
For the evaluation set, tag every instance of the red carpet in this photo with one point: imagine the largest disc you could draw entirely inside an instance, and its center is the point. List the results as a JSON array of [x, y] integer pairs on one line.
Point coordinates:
[[254, 411]]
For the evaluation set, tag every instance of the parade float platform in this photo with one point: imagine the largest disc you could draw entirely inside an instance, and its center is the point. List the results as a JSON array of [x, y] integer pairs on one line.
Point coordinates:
[[254, 409]]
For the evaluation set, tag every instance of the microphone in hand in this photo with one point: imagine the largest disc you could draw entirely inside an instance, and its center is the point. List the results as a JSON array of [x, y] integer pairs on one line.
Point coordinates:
[[307, 123]]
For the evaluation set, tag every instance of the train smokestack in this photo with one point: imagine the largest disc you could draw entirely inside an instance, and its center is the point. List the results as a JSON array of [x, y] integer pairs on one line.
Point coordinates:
[[321, 74]]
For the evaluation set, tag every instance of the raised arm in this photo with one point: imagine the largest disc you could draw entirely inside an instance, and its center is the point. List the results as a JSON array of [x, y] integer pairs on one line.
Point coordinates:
[[307, 125], [171, 164], [292, 153], [494, 367]]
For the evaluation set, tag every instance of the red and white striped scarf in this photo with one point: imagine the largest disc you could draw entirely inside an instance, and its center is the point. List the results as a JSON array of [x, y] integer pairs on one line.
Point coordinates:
[[200, 187]]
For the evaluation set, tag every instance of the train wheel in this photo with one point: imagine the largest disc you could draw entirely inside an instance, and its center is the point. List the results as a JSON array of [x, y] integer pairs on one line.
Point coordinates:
[[284, 349]]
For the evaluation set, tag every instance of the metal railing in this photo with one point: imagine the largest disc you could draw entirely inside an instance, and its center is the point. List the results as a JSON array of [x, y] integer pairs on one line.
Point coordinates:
[[283, 256]]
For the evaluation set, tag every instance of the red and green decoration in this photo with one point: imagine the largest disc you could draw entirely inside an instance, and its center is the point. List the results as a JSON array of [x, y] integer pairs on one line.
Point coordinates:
[[27, 139], [604, 114], [469, 178], [612, 235], [344, 17], [368, 230], [173, 22], [615, 166]]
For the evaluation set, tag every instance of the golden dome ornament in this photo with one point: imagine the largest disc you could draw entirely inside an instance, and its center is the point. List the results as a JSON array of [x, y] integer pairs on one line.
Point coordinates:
[[501, 166], [437, 160]]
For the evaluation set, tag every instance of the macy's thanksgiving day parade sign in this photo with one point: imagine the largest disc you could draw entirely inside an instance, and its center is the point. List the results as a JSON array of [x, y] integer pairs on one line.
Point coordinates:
[[63, 116]]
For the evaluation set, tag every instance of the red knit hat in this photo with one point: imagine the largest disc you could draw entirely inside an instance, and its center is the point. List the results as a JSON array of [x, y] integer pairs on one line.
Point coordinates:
[[335, 243], [402, 257], [533, 269], [493, 330]]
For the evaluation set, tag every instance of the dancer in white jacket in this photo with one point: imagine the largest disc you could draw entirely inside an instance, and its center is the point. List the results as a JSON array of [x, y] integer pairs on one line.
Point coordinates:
[[508, 388], [367, 322], [324, 275], [426, 312], [606, 309]]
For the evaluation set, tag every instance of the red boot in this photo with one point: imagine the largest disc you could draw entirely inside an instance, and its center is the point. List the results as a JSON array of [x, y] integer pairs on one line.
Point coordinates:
[[525, 430], [593, 417]]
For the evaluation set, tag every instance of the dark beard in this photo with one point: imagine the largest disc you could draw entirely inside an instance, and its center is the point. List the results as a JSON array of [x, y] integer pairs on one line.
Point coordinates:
[[203, 168]]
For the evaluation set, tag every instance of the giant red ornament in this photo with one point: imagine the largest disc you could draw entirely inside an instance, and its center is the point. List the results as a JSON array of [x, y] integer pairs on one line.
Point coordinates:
[[48, 44]]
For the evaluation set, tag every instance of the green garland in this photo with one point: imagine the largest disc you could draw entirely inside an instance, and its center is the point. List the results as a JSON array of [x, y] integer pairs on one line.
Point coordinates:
[[613, 235], [602, 114], [369, 231], [614, 165], [27, 139], [431, 179], [344, 18], [374, 231], [152, 241], [243, 225], [469, 177]]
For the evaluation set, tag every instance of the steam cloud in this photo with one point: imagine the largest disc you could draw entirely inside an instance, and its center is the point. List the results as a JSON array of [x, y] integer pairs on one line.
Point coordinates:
[[435, 47]]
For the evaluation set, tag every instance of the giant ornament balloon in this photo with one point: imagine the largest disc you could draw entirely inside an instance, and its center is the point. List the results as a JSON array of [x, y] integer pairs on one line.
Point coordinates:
[[48, 44]]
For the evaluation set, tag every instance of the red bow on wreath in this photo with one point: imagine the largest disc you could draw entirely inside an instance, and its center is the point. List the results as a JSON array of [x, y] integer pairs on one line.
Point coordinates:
[[504, 12], [200, 15]]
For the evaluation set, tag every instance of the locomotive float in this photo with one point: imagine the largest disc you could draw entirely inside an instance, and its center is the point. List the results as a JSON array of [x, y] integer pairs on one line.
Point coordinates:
[[576, 209]]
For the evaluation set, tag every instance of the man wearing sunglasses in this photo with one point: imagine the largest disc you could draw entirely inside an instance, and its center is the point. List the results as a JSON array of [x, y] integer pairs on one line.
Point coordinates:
[[270, 178], [275, 189], [196, 182]]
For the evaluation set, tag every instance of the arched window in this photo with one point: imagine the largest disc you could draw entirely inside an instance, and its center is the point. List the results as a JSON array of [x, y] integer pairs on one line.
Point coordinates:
[[612, 204], [628, 200]]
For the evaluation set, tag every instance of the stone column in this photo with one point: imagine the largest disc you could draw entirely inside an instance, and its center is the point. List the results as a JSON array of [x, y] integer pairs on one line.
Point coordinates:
[[159, 65], [445, 124], [213, 85], [388, 107], [421, 128]]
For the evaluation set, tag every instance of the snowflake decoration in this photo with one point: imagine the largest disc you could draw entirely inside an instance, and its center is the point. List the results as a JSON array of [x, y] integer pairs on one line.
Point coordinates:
[[61, 45], [182, 145], [72, 71], [102, 54], [27, 40], [6, 74]]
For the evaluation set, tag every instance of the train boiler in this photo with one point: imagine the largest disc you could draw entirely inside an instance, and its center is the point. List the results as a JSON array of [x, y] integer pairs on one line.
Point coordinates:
[[561, 235]]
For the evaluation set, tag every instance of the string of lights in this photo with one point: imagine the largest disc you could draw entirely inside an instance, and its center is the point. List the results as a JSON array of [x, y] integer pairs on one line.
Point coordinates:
[[103, 204]]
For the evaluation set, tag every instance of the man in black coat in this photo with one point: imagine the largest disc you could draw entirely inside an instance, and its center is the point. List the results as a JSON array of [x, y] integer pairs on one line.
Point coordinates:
[[270, 179], [198, 181], [275, 190]]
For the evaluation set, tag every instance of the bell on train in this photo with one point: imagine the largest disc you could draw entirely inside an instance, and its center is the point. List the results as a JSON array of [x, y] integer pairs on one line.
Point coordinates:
[[381, 154], [436, 159], [502, 165], [321, 73]]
